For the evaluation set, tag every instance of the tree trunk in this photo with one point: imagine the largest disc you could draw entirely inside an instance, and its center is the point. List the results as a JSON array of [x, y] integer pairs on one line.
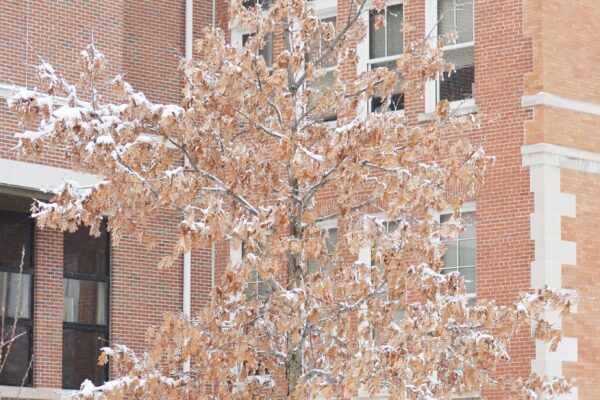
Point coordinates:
[[294, 280]]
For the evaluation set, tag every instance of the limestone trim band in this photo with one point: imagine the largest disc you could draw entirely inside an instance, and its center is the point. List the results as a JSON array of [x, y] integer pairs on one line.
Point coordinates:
[[556, 101], [559, 156], [33, 393], [38, 177]]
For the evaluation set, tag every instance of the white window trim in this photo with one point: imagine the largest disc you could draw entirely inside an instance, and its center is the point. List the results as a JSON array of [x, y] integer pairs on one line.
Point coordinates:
[[457, 108], [362, 49], [236, 259], [235, 253], [364, 253], [324, 8], [470, 206], [237, 40], [432, 87], [325, 226]]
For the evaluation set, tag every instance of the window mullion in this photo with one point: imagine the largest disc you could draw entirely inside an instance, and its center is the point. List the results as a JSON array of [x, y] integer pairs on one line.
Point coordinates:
[[454, 14], [385, 32]]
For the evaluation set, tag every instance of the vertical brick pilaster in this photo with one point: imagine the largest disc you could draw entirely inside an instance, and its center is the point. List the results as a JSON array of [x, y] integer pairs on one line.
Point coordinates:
[[48, 309]]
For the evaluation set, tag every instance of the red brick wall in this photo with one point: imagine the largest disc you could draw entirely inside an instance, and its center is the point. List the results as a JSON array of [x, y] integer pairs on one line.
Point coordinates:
[[503, 56], [140, 292], [48, 309], [504, 249], [145, 40]]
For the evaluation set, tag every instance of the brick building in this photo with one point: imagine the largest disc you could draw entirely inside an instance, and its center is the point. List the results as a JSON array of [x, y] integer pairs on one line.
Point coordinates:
[[524, 64]]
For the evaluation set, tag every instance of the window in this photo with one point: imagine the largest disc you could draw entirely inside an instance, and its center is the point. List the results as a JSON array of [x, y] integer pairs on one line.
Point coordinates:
[[85, 312], [457, 15], [398, 312], [240, 36], [265, 4], [386, 46], [390, 227], [16, 289], [461, 253], [329, 65], [266, 52], [257, 285], [330, 235]]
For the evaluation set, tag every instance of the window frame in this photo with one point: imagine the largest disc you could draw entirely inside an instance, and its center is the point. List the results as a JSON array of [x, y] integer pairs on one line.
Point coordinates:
[[468, 207], [19, 321], [365, 256], [97, 278], [363, 50], [324, 15], [364, 253], [237, 40], [264, 4], [432, 87], [325, 9], [236, 257], [325, 226]]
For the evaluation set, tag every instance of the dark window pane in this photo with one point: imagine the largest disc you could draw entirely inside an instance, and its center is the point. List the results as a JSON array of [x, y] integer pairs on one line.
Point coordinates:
[[18, 356], [15, 234], [85, 302], [396, 103], [15, 295], [397, 97], [84, 253], [251, 3], [257, 286], [80, 357], [459, 84]]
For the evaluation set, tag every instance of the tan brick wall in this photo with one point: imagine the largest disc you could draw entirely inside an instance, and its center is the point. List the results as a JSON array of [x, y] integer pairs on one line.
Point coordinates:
[[565, 42], [566, 49], [585, 231], [564, 128]]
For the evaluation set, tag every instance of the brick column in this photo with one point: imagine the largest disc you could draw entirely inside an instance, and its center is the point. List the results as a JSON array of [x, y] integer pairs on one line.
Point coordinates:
[[48, 309]]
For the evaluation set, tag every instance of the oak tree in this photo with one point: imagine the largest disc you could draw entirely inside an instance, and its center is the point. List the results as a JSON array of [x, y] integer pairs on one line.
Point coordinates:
[[261, 153]]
